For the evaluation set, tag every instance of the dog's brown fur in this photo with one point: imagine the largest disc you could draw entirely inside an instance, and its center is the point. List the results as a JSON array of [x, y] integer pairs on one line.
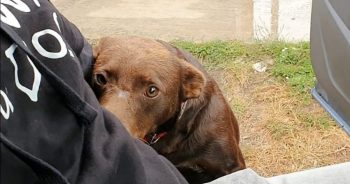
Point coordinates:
[[202, 133]]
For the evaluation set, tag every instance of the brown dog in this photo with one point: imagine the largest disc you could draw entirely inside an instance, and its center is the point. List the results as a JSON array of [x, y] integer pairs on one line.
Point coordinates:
[[162, 94]]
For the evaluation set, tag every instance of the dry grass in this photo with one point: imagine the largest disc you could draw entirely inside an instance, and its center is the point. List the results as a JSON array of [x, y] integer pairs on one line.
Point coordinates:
[[279, 132]]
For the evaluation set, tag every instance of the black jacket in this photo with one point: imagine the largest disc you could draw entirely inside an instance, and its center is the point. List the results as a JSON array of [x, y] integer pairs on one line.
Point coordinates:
[[53, 129]]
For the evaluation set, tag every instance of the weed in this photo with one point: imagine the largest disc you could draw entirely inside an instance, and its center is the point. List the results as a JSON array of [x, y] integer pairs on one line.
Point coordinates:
[[238, 106], [293, 64], [278, 129], [313, 121]]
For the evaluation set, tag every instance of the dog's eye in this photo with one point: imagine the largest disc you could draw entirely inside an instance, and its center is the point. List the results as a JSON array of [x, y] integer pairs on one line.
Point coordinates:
[[152, 91], [101, 79]]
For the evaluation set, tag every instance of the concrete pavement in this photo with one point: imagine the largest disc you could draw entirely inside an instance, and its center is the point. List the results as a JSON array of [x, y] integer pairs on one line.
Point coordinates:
[[197, 20]]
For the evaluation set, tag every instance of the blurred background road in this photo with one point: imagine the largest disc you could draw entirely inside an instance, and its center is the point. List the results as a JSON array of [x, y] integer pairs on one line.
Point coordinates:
[[197, 20]]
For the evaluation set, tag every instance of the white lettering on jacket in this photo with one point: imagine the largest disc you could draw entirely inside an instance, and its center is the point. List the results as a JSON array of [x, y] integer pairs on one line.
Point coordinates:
[[42, 51], [32, 93], [18, 4], [36, 3], [8, 18], [6, 15], [54, 14], [9, 106]]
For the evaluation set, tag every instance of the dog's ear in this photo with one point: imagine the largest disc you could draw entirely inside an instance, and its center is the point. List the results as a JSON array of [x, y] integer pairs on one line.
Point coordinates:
[[179, 53], [193, 81]]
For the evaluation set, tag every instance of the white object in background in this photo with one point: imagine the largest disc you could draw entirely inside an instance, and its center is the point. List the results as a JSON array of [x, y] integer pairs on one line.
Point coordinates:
[[260, 67]]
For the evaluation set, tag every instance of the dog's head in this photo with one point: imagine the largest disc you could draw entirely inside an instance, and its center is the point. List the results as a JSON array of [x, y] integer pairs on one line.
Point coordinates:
[[143, 82]]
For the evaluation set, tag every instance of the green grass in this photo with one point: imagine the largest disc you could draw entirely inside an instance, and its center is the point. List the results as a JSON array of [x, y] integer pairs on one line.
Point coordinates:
[[320, 122], [292, 60], [280, 129], [294, 66]]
